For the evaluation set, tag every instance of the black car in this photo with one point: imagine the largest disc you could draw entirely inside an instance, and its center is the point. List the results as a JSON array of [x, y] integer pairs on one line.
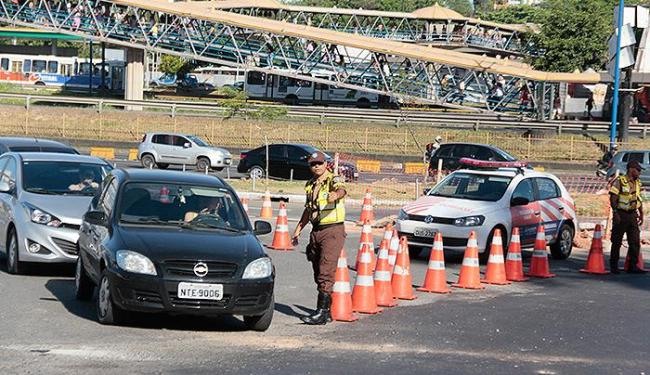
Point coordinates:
[[451, 153], [160, 241], [26, 144], [283, 158]]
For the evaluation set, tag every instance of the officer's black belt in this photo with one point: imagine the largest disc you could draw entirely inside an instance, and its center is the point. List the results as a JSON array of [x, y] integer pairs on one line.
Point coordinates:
[[318, 227]]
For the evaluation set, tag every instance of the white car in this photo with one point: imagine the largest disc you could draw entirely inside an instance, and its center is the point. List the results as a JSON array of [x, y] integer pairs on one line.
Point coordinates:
[[162, 149], [484, 200]]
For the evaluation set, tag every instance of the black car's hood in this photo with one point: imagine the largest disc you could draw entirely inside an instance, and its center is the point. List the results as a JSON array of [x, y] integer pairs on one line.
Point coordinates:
[[164, 243]]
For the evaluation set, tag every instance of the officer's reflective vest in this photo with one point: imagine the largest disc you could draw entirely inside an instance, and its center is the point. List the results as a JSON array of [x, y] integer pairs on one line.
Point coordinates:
[[626, 200], [327, 213]]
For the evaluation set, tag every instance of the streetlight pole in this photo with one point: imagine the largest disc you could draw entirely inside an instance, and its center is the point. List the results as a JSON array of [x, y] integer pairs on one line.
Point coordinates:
[[617, 74]]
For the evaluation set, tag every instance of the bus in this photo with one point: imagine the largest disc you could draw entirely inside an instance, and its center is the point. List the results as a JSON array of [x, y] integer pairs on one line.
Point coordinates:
[[60, 71], [294, 91]]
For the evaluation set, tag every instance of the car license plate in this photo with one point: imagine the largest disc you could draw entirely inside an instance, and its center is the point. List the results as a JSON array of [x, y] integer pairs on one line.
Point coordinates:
[[424, 232], [200, 291]]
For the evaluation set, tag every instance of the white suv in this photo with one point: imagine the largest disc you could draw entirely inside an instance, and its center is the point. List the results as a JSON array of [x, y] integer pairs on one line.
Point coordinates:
[[163, 149], [484, 200]]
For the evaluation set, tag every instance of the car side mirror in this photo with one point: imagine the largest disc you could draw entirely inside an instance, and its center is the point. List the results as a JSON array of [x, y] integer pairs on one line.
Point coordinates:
[[262, 227], [7, 187], [519, 201], [187, 145], [426, 191], [96, 218]]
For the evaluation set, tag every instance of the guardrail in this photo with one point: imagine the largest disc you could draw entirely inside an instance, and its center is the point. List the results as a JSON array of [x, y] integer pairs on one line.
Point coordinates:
[[474, 121]]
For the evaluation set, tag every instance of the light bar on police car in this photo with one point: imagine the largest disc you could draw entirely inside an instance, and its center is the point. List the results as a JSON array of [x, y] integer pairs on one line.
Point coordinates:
[[492, 164]]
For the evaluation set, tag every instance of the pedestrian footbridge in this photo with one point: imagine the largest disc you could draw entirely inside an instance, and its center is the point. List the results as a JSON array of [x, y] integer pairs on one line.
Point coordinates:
[[407, 72]]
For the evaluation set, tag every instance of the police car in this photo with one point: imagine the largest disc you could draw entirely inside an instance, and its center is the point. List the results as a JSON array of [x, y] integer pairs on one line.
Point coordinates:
[[487, 195]]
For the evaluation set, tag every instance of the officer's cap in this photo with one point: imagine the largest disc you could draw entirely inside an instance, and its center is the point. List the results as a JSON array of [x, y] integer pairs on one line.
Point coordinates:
[[633, 164], [316, 157]]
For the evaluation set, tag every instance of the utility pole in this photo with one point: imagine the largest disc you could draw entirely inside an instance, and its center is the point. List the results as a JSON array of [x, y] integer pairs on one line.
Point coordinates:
[[617, 74]]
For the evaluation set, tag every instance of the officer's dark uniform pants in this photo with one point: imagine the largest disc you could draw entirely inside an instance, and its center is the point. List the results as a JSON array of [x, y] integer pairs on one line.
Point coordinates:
[[325, 245], [628, 225]]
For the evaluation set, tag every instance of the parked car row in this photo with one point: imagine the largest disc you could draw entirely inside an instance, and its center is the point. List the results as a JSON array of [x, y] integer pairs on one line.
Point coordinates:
[[147, 240]]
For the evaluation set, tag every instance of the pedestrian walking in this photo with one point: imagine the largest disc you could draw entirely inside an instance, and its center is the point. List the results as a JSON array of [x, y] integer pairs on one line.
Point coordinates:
[[627, 208], [325, 210], [590, 106]]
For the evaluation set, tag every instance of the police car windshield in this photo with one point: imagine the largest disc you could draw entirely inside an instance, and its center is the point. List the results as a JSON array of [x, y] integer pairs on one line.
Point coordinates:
[[472, 186]]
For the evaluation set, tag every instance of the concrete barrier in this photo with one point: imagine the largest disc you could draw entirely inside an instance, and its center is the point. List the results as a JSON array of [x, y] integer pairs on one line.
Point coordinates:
[[133, 154], [368, 166], [415, 168], [103, 152]]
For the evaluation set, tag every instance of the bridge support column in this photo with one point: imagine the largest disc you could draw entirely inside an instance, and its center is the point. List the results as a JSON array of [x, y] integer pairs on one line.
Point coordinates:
[[134, 77]]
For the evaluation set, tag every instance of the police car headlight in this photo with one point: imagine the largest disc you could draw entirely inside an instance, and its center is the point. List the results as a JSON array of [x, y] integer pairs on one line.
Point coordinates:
[[470, 221], [258, 269], [134, 262], [402, 215]]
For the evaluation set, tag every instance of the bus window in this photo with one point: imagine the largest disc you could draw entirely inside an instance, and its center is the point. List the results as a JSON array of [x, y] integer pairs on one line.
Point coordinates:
[[4, 64], [39, 66], [66, 70], [256, 78], [16, 66], [84, 69], [53, 67], [27, 66]]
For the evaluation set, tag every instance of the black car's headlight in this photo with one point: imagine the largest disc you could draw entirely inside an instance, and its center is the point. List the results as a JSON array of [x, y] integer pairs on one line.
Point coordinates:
[[39, 216], [402, 215], [470, 221], [131, 261], [258, 269]]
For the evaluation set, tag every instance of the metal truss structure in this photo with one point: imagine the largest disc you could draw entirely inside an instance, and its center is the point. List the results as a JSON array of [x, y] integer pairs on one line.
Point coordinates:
[[491, 39], [208, 38]]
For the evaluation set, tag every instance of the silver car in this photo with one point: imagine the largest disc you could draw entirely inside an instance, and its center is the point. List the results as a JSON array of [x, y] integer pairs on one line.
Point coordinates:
[[618, 164], [43, 197], [163, 149]]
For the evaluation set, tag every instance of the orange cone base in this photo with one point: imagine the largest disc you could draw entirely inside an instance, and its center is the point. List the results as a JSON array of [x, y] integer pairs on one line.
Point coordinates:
[[594, 272], [439, 291], [372, 311], [496, 282], [387, 304], [543, 276], [280, 248], [408, 298], [468, 286], [351, 318], [518, 279]]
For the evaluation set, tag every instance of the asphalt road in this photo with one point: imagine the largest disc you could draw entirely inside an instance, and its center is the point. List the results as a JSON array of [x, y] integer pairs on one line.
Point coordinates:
[[571, 324]]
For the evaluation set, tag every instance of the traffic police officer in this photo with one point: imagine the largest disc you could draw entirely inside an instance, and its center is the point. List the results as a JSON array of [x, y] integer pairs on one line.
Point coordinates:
[[626, 201], [325, 210]]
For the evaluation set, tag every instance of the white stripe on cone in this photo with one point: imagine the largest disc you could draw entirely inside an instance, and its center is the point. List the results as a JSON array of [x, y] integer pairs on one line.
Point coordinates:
[[399, 270], [497, 241], [437, 265], [470, 262], [365, 280], [366, 258], [472, 242], [341, 287], [539, 253], [515, 238], [496, 258], [514, 256], [392, 259], [282, 228], [342, 263], [382, 275]]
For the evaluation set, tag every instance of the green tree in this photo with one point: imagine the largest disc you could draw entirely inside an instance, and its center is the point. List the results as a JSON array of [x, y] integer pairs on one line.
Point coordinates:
[[463, 7], [170, 64], [515, 15]]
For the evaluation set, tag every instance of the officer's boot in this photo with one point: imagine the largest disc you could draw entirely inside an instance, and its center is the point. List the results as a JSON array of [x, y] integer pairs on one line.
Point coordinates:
[[322, 314]]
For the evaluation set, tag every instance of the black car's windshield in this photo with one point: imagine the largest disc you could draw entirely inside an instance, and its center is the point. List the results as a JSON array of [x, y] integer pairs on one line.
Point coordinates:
[[506, 156], [199, 142], [310, 150], [187, 206], [471, 186], [63, 178]]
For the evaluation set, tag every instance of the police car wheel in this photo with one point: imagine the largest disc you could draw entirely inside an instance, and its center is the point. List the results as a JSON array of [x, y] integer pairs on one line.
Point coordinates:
[[561, 248]]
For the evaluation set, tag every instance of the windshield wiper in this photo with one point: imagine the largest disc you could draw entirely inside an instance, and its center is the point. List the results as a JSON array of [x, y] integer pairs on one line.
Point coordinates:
[[150, 220], [38, 190], [202, 224]]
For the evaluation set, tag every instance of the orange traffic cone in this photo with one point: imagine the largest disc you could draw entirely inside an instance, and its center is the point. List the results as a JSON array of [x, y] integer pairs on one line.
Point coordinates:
[[470, 274], [388, 232], [281, 238], [596, 259], [244, 203], [366, 211], [539, 263], [639, 264], [393, 249], [366, 239], [383, 287], [363, 294], [435, 281], [267, 208], [401, 280], [514, 263], [496, 268], [341, 308]]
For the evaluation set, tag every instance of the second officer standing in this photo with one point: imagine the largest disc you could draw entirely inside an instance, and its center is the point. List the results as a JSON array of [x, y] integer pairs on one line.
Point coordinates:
[[325, 210]]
